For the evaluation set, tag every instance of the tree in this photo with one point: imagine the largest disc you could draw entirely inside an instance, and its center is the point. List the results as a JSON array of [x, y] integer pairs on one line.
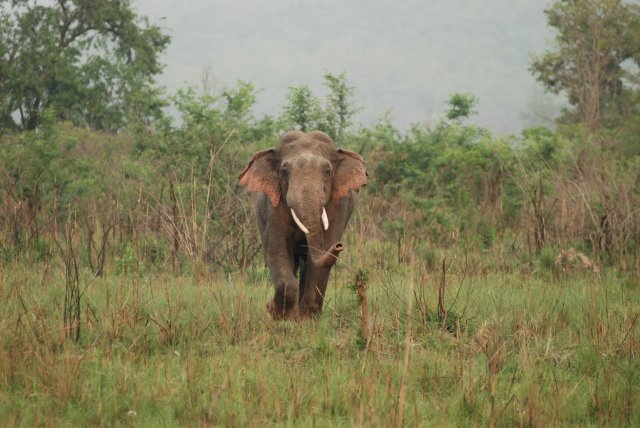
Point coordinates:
[[91, 62], [340, 106], [595, 40], [305, 111], [303, 108], [461, 106]]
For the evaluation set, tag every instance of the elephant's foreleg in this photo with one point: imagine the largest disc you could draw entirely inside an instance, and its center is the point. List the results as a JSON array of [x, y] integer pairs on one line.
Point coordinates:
[[285, 303], [316, 286]]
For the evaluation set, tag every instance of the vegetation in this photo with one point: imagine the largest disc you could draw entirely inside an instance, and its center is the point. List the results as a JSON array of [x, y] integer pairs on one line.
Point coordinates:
[[501, 273], [91, 63], [156, 349], [597, 47], [304, 110]]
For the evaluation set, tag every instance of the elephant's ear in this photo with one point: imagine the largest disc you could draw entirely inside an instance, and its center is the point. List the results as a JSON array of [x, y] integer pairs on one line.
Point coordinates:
[[260, 176], [350, 174]]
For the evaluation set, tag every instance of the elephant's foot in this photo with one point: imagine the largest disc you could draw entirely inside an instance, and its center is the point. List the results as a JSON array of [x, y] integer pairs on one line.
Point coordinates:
[[311, 305], [309, 311], [280, 312], [284, 305]]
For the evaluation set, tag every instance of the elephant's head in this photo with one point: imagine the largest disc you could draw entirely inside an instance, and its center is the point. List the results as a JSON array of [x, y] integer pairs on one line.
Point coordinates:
[[306, 172]]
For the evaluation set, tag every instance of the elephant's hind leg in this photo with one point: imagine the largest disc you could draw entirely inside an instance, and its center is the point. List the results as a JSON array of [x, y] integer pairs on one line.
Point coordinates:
[[302, 277]]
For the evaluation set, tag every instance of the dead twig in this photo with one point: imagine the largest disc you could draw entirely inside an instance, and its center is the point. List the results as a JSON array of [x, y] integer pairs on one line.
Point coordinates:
[[362, 294]]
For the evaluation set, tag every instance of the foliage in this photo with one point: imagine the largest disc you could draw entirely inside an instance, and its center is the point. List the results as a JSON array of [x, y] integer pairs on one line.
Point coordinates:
[[305, 112], [170, 193], [448, 171], [340, 105], [197, 163], [88, 62], [461, 106], [303, 109]]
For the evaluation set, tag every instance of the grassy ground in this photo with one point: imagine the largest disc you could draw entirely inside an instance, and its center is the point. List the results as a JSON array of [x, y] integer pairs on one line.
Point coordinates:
[[533, 349]]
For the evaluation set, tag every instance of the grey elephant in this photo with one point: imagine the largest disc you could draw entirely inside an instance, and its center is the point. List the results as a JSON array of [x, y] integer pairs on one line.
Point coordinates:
[[307, 192]]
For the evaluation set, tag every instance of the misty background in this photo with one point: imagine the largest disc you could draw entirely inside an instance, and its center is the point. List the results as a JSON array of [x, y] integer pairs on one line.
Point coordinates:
[[405, 57]]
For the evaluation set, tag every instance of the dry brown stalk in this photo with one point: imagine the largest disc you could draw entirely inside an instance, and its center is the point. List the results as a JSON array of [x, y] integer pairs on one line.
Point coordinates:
[[442, 311], [362, 294]]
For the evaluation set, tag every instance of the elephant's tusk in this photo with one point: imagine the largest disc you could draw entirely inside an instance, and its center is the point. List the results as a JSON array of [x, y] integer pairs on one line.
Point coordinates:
[[298, 222], [325, 219]]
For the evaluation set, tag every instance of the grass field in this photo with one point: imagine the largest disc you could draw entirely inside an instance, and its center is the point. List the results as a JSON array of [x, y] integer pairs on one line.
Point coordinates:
[[517, 349]]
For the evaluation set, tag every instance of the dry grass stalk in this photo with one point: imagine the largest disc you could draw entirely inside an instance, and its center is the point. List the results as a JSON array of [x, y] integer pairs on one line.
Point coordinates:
[[362, 294], [72, 294], [442, 311]]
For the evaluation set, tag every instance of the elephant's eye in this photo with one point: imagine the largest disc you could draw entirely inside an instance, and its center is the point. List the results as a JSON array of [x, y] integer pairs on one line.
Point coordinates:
[[284, 172], [327, 173]]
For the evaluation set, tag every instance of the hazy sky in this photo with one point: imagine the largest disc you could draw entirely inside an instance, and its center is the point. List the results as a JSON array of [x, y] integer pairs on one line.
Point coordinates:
[[403, 56]]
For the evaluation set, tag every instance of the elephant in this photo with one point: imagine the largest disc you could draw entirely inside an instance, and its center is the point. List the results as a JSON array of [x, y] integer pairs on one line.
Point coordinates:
[[306, 192]]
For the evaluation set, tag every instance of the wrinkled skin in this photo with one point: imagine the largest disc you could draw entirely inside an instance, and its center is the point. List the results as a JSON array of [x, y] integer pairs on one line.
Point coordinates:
[[305, 173]]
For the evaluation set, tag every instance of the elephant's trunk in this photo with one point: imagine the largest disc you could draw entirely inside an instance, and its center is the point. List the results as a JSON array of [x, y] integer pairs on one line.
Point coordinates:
[[313, 221], [329, 257]]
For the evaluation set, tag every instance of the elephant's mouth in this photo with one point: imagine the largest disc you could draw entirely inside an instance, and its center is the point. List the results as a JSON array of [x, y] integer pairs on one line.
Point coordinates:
[[325, 221]]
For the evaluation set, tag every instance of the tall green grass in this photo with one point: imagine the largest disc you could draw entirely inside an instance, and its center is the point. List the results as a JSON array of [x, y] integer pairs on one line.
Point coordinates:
[[526, 349]]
